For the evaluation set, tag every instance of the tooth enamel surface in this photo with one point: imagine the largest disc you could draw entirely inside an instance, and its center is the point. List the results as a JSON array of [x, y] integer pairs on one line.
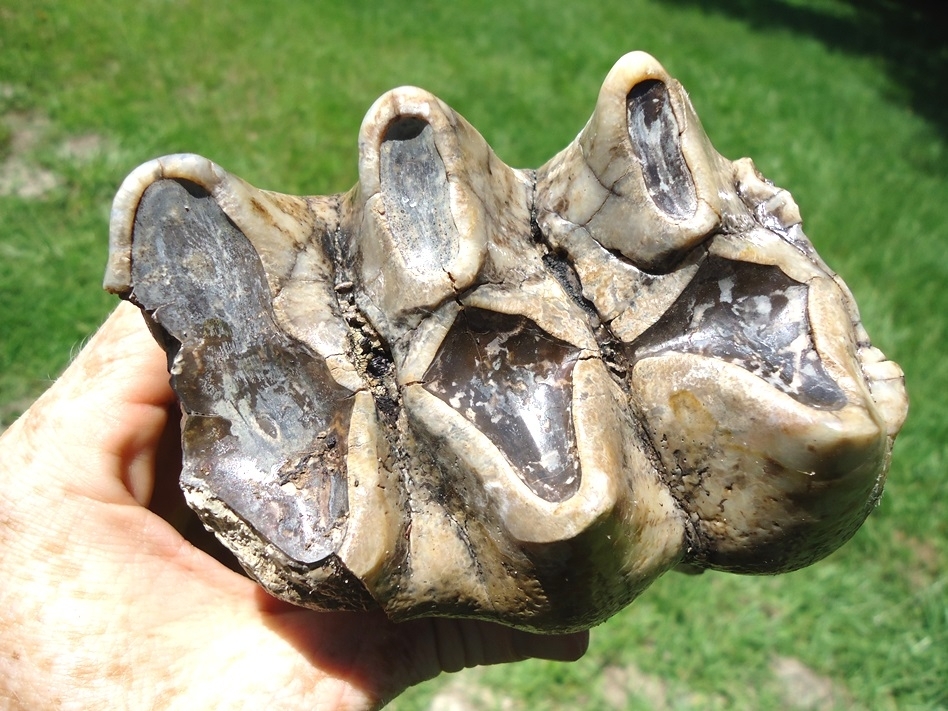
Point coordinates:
[[464, 389], [752, 316], [513, 382], [654, 134], [268, 425]]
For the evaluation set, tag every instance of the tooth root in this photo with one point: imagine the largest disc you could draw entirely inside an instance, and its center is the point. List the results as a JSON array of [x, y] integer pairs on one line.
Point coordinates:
[[773, 485], [512, 381], [887, 384], [415, 198], [375, 517], [186, 166], [757, 317]]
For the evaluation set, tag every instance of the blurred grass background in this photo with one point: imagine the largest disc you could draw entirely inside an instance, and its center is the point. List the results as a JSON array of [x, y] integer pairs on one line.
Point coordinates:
[[842, 102]]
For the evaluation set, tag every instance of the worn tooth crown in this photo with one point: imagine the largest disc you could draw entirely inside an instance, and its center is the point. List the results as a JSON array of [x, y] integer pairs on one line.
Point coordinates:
[[654, 134], [462, 389], [642, 178], [513, 382]]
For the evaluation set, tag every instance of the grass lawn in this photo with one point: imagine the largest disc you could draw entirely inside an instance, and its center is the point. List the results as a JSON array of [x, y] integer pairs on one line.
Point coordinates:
[[842, 103]]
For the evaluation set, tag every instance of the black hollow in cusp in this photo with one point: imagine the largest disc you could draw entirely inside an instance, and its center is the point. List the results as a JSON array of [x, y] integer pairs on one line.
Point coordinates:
[[752, 315], [266, 425], [513, 381], [654, 134]]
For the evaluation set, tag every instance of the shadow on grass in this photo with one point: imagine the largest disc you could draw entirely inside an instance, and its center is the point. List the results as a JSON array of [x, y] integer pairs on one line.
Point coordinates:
[[907, 35]]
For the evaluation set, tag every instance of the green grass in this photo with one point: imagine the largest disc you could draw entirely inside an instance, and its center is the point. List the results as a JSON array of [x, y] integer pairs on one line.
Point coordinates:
[[833, 101]]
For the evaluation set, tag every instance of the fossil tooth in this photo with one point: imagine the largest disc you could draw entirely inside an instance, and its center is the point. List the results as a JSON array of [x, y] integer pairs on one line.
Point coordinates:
[[642, 177], [273, 446], [464, 389], [410, 244], [518, 392], [654, 134]]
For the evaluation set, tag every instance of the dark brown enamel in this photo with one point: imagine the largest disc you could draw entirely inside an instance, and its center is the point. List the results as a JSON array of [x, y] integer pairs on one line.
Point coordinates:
[[266, 426], [751, 315], [654, 133], [514, 382]]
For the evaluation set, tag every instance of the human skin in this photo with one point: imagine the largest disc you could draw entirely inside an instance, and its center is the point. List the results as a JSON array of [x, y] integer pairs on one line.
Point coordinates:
[[105, 604]]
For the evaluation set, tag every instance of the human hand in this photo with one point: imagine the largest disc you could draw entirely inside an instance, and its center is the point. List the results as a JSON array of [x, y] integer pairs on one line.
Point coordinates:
[[104, 604]]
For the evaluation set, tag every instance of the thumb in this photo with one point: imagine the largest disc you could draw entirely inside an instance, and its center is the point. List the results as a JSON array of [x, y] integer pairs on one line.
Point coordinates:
[[100, 423]]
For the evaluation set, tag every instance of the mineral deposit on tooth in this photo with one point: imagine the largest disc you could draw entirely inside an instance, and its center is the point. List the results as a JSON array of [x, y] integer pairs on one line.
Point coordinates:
[[463, 389]]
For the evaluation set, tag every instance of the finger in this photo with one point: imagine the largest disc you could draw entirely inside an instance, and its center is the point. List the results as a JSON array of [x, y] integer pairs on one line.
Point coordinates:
[[131, 391], [121, 364], [557, 648], [100, 424], [380, 659]]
